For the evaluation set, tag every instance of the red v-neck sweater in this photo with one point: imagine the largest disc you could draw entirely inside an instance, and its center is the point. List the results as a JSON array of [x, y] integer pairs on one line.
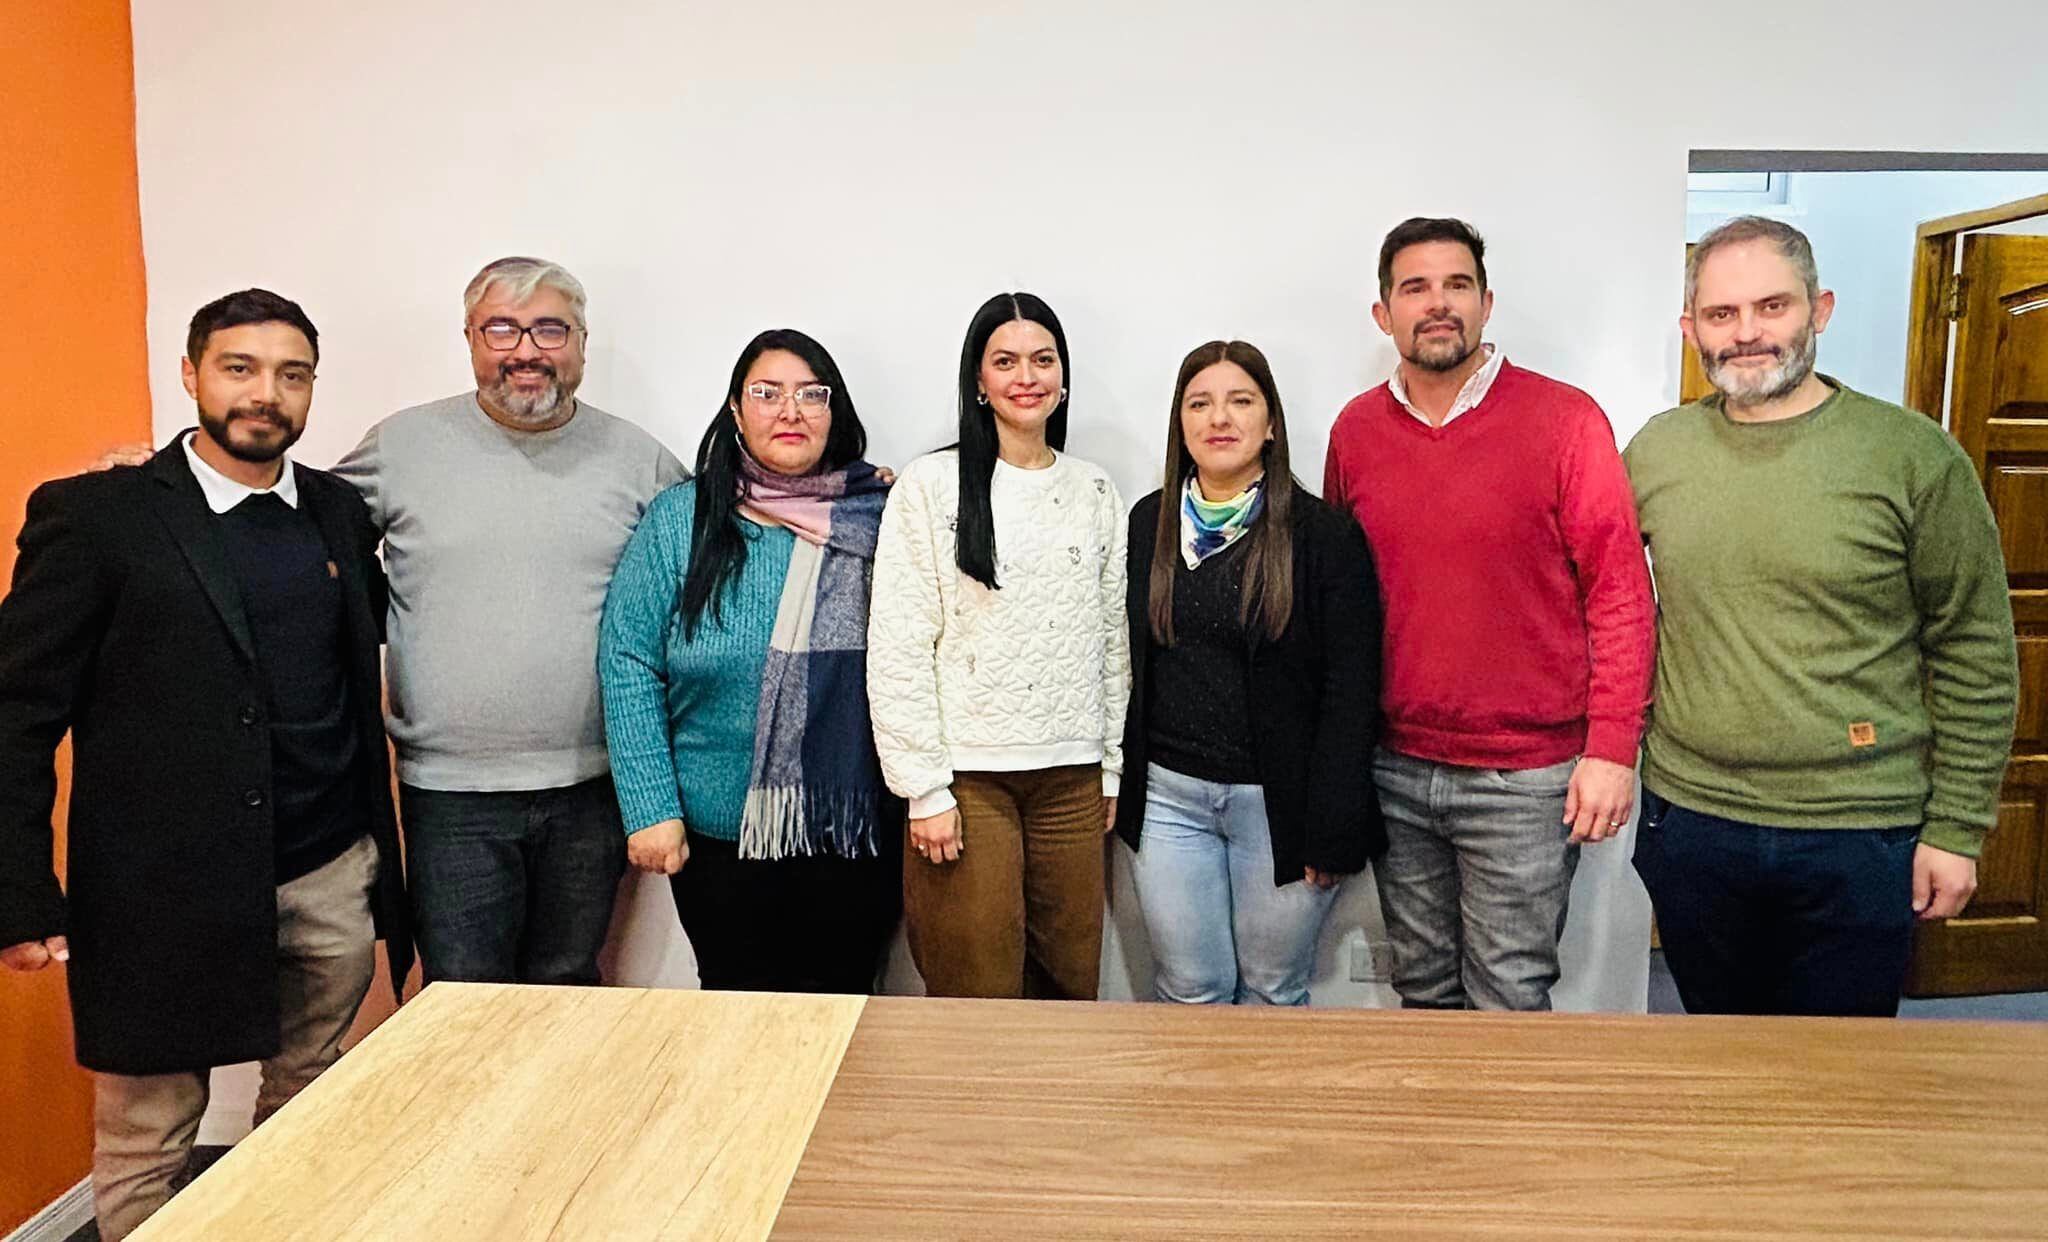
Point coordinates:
[[1519, 625]]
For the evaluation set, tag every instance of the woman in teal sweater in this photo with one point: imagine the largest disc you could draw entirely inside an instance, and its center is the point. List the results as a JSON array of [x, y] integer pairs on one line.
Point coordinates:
[[733, 661]]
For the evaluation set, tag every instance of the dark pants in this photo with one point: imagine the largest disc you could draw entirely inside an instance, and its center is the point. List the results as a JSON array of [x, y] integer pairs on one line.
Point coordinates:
[[814, 924], [1778, 920], [513, 887]]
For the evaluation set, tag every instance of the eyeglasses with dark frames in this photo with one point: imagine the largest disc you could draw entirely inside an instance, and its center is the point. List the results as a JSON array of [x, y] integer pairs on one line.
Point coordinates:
[[503, 334]]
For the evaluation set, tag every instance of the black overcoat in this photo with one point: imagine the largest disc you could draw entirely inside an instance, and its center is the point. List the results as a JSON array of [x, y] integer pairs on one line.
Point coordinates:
[[125, 626]]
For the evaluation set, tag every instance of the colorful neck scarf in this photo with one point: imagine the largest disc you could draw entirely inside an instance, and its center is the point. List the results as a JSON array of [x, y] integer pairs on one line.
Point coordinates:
[[816, 785], [1209, 526]]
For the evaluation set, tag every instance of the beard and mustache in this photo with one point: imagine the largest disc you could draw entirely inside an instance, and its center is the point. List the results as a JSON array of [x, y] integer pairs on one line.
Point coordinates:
[[538, 407], [1440, 354], [262, 433], [1749, 385], [1795, 361], [273, 432]]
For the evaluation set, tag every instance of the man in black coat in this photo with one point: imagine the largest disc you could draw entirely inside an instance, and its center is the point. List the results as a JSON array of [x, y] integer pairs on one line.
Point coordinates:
[[206, 626]]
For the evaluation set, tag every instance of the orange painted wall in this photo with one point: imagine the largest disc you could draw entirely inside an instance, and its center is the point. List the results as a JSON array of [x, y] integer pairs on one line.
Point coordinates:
[[74, 383]]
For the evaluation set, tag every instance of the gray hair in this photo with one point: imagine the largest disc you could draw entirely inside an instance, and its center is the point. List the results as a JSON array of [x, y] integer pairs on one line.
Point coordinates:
[[519, 277], [1791, 244]]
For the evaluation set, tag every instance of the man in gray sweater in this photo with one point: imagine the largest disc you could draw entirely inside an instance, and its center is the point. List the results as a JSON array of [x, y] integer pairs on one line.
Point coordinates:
[[503, 511]]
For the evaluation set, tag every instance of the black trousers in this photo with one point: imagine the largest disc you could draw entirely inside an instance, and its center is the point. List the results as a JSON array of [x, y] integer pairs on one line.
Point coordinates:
[[1761, 920], [815, 924]]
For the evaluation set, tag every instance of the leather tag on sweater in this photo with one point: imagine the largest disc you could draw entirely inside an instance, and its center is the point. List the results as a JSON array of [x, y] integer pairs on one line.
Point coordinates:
[[1863, 733]]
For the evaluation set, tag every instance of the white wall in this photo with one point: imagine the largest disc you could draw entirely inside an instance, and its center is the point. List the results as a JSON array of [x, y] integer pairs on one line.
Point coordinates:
[[1861, 225], [1162, 174]]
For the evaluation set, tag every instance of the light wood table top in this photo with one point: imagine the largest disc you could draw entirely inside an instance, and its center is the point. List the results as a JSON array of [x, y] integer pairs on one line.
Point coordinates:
[[493, 1112], [511, 1113]]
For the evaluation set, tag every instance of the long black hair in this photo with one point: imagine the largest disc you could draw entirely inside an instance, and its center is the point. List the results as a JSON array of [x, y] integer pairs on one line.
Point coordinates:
[[718, 547], [975, 541]]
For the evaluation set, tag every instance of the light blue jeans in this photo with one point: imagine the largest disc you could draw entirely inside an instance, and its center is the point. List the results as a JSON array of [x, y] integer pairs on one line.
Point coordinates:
[[1221, 932]]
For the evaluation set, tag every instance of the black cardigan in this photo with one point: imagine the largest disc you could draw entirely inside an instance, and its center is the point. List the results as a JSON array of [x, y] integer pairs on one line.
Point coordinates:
[[1314, 695]]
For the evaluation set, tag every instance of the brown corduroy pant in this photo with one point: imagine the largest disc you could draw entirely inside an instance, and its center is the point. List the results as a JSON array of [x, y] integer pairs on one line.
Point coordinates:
[[1019, 913]]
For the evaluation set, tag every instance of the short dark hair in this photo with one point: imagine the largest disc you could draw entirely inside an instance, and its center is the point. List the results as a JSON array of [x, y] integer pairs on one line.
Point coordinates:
[[243, 307], [1419, 229], [1791, 244]]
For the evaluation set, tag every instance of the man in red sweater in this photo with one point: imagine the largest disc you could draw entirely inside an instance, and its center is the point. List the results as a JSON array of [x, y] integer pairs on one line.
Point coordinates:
[[1518, 636]]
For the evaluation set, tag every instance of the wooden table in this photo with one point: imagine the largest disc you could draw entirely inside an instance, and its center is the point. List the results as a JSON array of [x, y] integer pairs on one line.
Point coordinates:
[[498, 1113]]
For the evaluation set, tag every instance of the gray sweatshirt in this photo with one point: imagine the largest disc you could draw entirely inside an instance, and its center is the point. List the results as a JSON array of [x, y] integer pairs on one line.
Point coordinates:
[[500, 545]]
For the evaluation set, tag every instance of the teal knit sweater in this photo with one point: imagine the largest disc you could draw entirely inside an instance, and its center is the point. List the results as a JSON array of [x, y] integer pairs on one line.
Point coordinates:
[[679, 715]]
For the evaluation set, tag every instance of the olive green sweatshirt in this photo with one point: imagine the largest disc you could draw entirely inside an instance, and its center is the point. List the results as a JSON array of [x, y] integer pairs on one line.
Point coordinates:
[[1834, 641]]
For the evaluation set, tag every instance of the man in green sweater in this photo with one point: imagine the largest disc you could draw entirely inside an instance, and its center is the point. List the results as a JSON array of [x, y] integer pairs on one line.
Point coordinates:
[[1836, 673]]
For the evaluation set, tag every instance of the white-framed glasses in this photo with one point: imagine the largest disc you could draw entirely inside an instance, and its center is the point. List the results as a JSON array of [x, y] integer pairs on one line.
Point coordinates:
[[811, 399]]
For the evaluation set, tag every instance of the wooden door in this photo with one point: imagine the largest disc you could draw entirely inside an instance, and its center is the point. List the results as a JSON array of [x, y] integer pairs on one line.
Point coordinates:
[[1999, 413], [1692, 377]]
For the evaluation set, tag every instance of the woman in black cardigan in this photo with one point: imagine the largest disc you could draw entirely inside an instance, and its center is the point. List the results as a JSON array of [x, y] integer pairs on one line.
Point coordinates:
[[1255, 650]]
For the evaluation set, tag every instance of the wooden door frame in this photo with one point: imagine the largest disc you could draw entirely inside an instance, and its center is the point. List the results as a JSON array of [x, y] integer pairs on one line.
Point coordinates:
[[1938, 297], [2000, 943]]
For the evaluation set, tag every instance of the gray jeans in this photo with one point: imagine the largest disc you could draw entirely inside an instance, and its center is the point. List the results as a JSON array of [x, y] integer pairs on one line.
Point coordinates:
[[1475, 881]]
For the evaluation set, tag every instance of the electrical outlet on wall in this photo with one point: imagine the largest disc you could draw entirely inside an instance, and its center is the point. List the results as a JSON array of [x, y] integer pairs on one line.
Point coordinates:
[[1369, 961]]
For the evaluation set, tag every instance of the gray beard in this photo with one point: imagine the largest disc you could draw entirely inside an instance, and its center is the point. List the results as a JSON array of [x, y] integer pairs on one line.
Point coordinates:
[[531, 409], [1793, 367]]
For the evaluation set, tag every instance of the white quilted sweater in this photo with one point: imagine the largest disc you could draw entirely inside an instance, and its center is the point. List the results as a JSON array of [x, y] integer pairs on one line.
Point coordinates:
[[1035, 675]]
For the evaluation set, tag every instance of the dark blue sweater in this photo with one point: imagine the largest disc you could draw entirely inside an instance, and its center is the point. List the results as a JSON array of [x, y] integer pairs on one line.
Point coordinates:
[[292, 598]]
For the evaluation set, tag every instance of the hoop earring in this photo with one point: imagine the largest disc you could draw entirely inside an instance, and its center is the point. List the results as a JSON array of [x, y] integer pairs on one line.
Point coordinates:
[[1063, 396], [981, 398]]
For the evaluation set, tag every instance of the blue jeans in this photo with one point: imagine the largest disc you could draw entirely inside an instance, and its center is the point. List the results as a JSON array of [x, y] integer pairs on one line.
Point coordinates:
[[1779, 920], [1475, 882], [513, 887], [1221, 932]]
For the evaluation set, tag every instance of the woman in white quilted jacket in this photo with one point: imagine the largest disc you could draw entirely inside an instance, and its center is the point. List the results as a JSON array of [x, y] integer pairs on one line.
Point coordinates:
[[998, 674]]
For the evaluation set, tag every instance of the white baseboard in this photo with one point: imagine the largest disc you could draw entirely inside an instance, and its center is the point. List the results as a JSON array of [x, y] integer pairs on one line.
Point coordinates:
[[67, 1215]]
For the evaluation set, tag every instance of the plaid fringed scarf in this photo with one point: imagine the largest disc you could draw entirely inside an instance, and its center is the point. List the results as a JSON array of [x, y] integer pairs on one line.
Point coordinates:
[[816, 786]]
